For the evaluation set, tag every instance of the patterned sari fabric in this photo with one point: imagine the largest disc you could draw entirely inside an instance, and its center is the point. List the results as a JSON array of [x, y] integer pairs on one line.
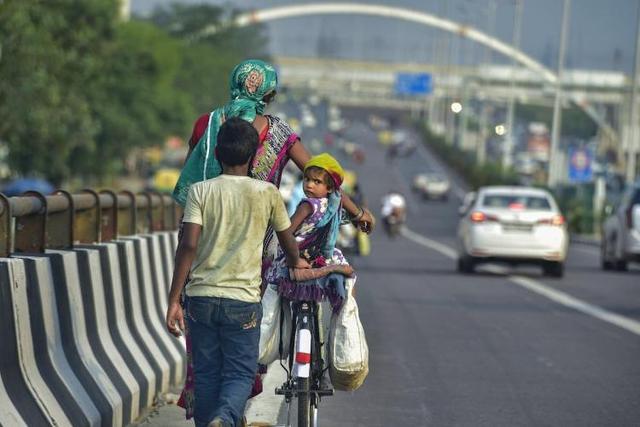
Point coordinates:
[[250, 81], [268, 164]]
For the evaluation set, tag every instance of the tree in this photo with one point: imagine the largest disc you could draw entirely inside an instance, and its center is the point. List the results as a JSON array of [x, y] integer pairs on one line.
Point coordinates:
[[575, 122], [50, 55], [209, 60], [80, 89], [136, 102]]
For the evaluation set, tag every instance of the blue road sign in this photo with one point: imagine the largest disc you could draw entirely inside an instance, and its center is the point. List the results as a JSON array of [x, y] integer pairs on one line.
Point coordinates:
[[414, 84], [580, 165]]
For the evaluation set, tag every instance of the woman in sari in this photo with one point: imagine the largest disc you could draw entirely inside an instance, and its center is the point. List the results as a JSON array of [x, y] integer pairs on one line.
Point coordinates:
[[253, 85]]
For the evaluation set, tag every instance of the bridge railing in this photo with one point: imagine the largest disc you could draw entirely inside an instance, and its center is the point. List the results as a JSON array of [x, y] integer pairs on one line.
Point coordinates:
[[84, 280], [34, 222]]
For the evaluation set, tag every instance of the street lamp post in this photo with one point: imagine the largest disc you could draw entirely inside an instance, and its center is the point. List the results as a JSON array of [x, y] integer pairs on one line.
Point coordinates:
[[481, 149], [446, 89], [634, 132], [554, 165], [464, 120], [507, 153]]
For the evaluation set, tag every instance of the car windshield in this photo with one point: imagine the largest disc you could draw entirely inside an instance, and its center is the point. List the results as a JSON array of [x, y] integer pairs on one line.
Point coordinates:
[[510, 201]]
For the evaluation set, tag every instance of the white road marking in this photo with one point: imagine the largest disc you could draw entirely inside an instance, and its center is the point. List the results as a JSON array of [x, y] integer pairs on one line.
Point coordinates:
[[429, 243], [579, 305], [539, 288]]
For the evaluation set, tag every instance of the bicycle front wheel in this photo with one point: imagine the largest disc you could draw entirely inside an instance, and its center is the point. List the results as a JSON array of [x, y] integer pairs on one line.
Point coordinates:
[[304, 403]]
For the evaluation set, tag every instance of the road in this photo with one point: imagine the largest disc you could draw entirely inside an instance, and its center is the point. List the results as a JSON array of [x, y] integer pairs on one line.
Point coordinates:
[[498, 348], [502, 347]]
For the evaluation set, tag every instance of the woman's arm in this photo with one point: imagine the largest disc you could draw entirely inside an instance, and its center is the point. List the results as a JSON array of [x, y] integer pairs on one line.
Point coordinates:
[[199, 128], [362, 218], [299, 154]]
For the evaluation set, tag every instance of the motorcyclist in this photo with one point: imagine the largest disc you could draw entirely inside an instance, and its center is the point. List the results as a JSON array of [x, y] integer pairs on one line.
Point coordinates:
[[393, 211]]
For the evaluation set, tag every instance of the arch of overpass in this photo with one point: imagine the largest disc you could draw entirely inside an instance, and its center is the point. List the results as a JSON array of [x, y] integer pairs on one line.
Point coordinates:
[[291, 11], [394, 12]]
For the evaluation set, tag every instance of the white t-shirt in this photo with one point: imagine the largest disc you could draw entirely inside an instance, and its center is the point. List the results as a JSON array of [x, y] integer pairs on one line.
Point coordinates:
[[234, 212]]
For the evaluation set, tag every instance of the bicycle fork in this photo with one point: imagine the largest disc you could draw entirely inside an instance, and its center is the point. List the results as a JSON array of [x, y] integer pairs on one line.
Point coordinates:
[[305, 366], [302, 360]]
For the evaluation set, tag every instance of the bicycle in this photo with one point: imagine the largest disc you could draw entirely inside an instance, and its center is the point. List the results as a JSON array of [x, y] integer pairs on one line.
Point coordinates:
[[305, 364]]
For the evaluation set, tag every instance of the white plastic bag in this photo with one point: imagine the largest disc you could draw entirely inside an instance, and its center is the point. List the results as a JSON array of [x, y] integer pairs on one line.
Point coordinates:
[[348, 351], [272, 311]]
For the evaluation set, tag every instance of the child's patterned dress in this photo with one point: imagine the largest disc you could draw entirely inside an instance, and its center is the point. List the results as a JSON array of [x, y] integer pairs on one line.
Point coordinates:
[[310, 239]]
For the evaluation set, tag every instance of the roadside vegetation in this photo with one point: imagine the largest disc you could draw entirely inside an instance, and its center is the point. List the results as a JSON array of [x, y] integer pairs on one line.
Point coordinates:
[[81, 88], [465, 165], [575, 201]]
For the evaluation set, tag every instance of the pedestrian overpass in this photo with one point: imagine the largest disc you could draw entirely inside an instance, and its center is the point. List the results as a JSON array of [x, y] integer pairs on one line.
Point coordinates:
[[528, 82]]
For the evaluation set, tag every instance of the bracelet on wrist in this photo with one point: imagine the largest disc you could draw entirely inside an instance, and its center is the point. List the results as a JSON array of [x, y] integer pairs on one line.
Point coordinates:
[[359, 215]]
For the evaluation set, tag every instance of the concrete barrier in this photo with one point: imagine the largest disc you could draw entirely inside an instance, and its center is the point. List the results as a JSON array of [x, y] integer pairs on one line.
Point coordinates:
[[135, 317], [75, 338], [47, 340], [167, 254], [127, 345], [160, 285], [145, 247], [28, 390], [16, 389], [94, 303], [83, 335], [9, 415], [167, 259]]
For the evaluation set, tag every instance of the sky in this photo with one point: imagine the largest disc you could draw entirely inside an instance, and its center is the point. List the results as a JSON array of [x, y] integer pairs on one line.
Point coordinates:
[[602, 33]]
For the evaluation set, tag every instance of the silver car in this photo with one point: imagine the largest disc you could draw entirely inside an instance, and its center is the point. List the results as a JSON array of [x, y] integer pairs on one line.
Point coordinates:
[[432, 185], [621, 232]]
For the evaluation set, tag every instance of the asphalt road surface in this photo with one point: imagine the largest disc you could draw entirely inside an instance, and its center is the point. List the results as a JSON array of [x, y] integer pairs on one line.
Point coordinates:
[[502, 347]]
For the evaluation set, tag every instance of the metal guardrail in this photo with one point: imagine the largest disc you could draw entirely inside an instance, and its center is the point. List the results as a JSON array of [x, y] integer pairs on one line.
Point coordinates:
[[34, 222]]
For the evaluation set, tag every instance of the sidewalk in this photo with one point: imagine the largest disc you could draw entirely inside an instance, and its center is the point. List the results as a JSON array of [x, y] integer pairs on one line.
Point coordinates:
[[262, 411], [168, 415]]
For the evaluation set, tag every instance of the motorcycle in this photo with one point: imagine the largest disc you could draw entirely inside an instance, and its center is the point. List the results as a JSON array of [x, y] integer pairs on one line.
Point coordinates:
[[393, 222], [346, 240]]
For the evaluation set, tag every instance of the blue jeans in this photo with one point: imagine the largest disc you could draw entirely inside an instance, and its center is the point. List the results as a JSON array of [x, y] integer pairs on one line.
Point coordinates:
[[225, 334]]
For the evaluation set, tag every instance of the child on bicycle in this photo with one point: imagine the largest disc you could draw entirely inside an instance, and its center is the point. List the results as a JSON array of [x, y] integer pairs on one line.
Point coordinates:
[[316, 223]]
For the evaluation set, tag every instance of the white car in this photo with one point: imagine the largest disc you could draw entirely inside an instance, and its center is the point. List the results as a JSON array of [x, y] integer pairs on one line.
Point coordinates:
[[621, 232], [516, 225], [432, 185]]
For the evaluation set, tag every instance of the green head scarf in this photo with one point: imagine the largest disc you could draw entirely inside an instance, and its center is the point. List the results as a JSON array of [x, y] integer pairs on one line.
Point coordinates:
[[250, 81]]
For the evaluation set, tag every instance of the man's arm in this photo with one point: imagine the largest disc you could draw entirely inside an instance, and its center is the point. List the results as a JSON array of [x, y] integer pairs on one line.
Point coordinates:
[[290, 248], [184, 258]]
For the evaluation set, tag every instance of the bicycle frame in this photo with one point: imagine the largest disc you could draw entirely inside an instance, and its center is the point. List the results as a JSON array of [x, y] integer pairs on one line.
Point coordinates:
[[305, 364]]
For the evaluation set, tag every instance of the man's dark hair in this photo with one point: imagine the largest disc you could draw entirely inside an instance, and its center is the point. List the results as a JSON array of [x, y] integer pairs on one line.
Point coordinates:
[[237, 142]]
